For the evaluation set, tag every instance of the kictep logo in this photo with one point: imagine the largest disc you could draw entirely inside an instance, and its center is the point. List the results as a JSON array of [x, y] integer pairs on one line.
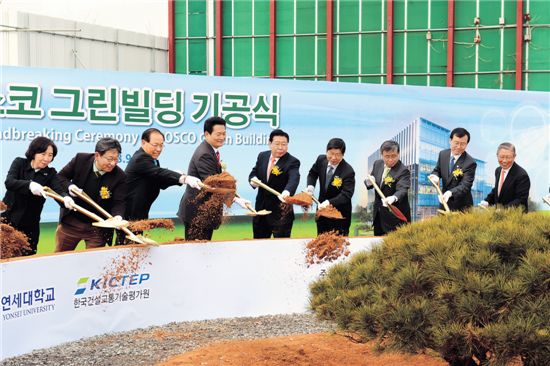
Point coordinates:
[[85, 283]]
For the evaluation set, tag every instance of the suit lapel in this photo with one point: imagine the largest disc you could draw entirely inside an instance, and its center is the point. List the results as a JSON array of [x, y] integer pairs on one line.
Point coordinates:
[[378, 173], [323, 174], [507, 180]]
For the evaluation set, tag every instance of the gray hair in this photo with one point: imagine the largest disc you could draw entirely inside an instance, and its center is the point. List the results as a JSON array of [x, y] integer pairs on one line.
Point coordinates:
[[507, 146], [389, 145], [105, 144]]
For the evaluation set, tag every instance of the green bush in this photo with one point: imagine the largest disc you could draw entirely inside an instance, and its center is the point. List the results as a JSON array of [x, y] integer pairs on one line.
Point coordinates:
[[475, 287]]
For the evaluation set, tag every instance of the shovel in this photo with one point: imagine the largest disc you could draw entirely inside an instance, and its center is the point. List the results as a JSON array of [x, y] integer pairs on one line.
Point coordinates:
[[130, 235], [99, 221], [546, 199], [252, 211], [440, 194], [394, 210]]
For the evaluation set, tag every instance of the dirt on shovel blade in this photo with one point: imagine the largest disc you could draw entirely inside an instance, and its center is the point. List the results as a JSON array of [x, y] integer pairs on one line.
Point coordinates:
[[301, 199], [329, 212], [13, 243], [326, 247], [149, 224]]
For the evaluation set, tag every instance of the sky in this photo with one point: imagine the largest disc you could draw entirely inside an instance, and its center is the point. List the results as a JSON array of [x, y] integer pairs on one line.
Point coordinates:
[[144, 16]]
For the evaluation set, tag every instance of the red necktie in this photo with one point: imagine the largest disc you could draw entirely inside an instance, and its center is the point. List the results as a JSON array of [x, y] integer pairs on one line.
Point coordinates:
[[500, 181], [218, 157], [270, 166]]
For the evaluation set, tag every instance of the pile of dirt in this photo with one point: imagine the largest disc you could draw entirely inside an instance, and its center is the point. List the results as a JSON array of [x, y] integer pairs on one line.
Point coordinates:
[[149, 224], [329, 212], [13, 243], [326, 247], [210, 212], [299, 350], [301, 199]]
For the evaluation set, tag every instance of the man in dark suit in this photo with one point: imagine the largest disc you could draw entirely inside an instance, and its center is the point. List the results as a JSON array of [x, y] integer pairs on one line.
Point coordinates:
[[99, 177], [205, 162], [511, 181], [394, 179], [145, 178], [336, 186], [457, 170], [281, 171]]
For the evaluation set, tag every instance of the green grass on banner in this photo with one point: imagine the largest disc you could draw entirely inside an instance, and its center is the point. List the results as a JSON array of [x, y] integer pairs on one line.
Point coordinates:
[[236, 228]]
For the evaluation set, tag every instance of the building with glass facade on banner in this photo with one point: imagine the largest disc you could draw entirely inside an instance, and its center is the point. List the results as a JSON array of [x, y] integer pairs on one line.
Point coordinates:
[[420, 144]]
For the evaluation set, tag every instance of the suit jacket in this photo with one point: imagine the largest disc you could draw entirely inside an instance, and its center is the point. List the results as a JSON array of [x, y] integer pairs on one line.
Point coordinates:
[[398, 188], [515, 189], [288, 180], [460, 185], [339, 194], [79, 171], [22, 204], [145, 178], [203, 164]]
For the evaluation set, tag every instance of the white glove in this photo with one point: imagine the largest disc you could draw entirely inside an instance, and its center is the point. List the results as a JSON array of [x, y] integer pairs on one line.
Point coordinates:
[[389, 201], [242, 202], [192, 182], [283, 195], [324, 204], [484, 204], [118, 222], [446, 197], [73, 188], [37, 189], [69, 203], [310, 189], [434, 179], [252, 183]]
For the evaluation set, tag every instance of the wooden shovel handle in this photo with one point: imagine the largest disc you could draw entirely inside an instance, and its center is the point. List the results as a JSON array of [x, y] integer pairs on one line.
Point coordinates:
[[248, 206], [440, 194], [379, 191], [259, 183], [51, 193]]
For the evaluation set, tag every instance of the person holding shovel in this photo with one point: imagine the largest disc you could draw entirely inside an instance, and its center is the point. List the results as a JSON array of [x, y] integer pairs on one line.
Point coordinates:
[[98, 176], [25, 189], [280, 171], [336, 186], [457, 169], [394, 179]]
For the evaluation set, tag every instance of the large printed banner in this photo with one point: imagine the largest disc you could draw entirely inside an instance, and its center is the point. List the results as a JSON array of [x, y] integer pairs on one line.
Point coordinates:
[[75, 108], [48, 300]]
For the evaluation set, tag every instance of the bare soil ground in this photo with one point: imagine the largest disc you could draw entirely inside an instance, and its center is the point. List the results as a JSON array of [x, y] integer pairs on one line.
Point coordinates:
[[300, 350]]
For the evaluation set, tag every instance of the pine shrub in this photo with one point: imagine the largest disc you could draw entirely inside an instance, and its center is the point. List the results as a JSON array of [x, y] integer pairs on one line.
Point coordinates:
[[475, 287]]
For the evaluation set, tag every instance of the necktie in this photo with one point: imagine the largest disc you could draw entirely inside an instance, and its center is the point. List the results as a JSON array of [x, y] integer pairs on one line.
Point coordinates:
[[500, 182], [218, 156], [156, 163], [385, 173], [330, 173], [97, 174], [270, 166], [451, 165]]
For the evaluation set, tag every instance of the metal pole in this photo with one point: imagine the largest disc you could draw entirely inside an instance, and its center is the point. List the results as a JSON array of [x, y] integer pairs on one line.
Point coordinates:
[[330, 31], [450, 42], [519, 43], [389, 44]]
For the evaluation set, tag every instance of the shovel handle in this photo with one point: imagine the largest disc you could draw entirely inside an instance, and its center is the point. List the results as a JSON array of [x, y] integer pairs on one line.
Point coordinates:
[[51, 193], [259, 183], [379, 191], [248, 205], [440, 194]]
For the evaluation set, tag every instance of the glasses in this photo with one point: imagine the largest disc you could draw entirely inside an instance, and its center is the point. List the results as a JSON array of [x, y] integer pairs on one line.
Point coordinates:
[[110, 159], [156, 146]]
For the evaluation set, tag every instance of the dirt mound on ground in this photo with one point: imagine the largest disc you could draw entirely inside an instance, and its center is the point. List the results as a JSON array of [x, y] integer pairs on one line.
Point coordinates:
[[300, 350], [13, 243]]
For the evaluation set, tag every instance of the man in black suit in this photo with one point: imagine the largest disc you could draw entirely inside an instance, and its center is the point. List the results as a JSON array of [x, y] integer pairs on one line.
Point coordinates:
[[281, 171], [205, 162], [145, 177], [511, 181], [336, 186], [99, 177], [457, 170], [394, 179]]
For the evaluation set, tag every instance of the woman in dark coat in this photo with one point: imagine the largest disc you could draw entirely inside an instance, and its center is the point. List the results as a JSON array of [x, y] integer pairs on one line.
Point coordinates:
[[25, 188]]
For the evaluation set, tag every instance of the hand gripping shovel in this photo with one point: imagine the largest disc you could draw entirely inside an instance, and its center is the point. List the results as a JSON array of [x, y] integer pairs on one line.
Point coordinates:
[[252, 211], [440, 194], [99, 221], [130, 235], [394, 210]]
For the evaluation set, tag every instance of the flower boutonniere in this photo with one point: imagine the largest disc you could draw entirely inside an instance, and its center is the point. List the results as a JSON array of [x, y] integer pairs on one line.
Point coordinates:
[[276, 170], [389, 180], [104, 193], [223, 165], [337, 182], [457, 173]]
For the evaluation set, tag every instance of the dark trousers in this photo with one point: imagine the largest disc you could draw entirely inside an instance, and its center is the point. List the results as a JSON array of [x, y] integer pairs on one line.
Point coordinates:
[[67, 237], [325, 224], [263, 229], [196, 233]]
